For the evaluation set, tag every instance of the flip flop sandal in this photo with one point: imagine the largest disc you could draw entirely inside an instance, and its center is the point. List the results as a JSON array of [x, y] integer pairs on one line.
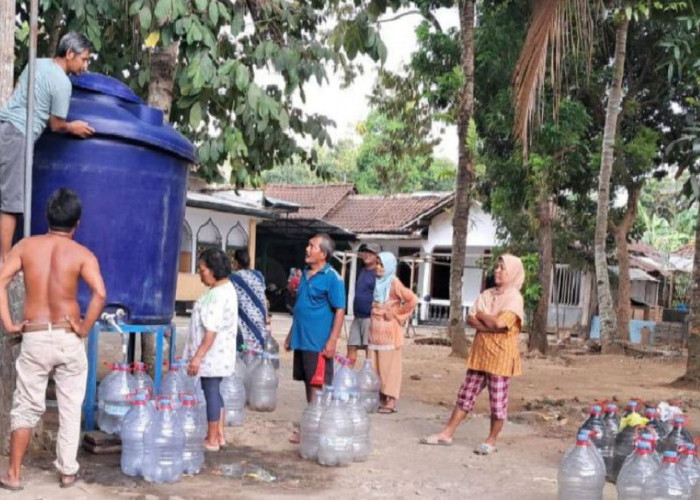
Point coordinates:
[[485, 449], [385, 410], [211, 448], [434, 439], [6, 486], [67, 484]]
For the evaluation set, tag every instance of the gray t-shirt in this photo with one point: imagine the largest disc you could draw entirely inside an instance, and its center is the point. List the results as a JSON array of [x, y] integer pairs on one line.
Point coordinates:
[[52, 97]]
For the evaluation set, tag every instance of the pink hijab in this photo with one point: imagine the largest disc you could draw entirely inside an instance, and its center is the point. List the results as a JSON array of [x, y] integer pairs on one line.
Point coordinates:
[[505, 297]]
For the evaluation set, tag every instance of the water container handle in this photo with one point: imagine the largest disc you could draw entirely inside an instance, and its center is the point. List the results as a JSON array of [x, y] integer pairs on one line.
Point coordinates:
[[147, 390], [342, 360], [248, 348]]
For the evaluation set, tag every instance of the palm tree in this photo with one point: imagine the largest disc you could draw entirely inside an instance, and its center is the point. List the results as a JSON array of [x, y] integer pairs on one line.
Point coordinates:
[[560, 27], [546, 44]]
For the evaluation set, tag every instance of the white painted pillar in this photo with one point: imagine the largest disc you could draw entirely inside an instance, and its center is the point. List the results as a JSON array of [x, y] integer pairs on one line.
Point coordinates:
[[425, 283], [193, 263], [350, 310]]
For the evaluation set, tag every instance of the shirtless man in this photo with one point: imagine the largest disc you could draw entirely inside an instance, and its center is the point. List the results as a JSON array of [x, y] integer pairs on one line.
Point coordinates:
[[52, 333]]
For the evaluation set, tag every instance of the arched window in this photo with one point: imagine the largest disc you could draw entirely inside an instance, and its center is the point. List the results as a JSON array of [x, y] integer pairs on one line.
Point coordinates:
[[185, 248], [208, 236], [235, 239]]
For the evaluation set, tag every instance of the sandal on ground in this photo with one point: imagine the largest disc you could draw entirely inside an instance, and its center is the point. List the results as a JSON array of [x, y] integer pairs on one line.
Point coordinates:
[[211, 447], [66, 481], [485, 449], [386, 410], [435, 439], [10, 487]]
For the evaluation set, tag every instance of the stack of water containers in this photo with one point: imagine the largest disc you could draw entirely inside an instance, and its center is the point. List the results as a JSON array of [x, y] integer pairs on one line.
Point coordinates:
[[164, 444], [335, 426], [112, 403], [159, 442], [650, 461]]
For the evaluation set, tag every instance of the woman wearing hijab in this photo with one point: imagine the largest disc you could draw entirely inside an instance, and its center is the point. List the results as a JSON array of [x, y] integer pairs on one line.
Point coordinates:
[[392, 307], [494, 357]]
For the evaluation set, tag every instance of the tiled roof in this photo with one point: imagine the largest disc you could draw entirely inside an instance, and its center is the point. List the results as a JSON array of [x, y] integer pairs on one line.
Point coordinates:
[[687, 251], [337, 205], [315, 201], [385, 214]]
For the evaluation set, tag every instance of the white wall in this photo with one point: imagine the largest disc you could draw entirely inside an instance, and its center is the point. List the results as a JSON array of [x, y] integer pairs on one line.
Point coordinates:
[[480, 233], [224, 222], [481, 236]]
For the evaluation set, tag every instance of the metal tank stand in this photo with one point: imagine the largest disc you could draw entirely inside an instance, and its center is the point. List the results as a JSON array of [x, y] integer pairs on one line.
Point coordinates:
[[112, 324]]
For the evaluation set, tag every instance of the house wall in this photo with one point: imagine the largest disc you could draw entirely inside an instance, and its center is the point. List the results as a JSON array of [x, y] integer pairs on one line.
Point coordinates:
[[481, 236], [229, 229]]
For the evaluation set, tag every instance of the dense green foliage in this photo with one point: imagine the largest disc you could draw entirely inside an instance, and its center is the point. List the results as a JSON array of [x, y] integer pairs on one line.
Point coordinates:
[[225, 50]]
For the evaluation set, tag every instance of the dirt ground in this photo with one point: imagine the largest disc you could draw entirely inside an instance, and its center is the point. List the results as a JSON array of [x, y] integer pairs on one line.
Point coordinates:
[[546, 406]]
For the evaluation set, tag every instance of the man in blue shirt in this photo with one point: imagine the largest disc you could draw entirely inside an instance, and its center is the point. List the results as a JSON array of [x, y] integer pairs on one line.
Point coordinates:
[[52, 90], [319, 313], [364, 296]]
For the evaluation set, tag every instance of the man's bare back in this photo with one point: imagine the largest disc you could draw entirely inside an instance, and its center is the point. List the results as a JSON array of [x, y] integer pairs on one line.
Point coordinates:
[[53, 264]]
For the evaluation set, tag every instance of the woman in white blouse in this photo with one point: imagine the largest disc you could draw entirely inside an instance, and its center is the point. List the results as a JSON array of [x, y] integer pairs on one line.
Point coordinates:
[[211, 344]]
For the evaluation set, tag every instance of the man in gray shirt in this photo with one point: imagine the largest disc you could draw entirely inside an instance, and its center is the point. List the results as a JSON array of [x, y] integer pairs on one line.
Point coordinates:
[[52, 98]]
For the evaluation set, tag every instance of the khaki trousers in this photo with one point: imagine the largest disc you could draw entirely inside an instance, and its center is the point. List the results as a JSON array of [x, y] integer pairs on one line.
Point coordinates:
[[63, 353]]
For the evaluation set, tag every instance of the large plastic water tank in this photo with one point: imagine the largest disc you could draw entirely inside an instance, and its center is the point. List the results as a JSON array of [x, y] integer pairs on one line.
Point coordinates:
[[131, 176]]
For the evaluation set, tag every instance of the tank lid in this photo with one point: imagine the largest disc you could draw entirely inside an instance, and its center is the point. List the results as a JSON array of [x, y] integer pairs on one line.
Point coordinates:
[[103, 84], [123, 115]]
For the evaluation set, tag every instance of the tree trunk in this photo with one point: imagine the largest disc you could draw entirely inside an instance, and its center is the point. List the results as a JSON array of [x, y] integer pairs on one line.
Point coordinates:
[[538, 334], [692, 373], [160, 95], [465, 176], [160, 87], [624, 308], [9, 346], [605, 305], [9, 350], [7, 49]]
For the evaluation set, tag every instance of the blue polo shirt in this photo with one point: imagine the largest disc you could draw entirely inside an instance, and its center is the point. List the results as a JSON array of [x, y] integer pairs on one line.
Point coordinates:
[[314, 311]]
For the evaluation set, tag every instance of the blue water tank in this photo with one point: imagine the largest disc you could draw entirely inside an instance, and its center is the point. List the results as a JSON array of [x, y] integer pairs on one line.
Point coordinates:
[[131, 176]]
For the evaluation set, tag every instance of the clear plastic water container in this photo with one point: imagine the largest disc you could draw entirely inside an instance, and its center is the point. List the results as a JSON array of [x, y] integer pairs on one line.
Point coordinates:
[[677, 438], [344, 380], [164, 444], [195, 430], [112, 403], [368, 384], [581, 475], [308, 428], [335, 443], [361, 442], [272, 350], [634, 473], [233, 394], [668, 482], [142, 379], [132, 432], [689, 464], [263, 387]]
